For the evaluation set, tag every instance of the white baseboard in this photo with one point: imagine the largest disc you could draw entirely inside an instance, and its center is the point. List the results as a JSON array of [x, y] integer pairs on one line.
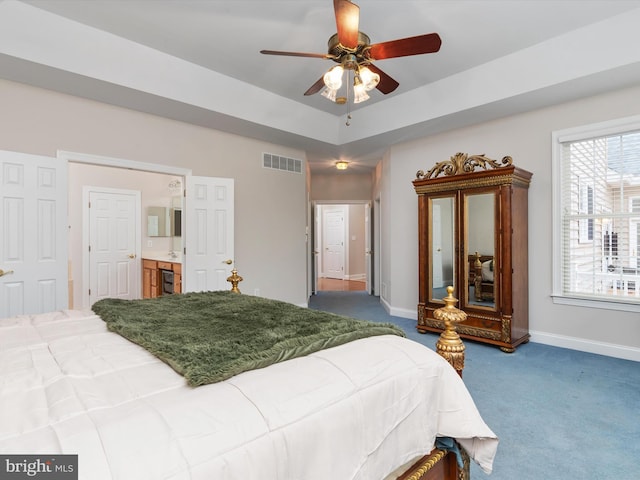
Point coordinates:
[[573, 343], [358, 277], [590, 346], [403, 312], [399, 312], [385, 305]]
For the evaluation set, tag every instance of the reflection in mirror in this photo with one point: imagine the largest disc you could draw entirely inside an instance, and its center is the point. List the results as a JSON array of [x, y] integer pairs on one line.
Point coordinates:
[[175, 221], [441, 247], [158, 222], [480, 250], [176, 207]]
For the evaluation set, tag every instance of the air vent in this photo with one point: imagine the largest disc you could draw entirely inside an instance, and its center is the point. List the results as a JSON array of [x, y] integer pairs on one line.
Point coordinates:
[[269, 160]]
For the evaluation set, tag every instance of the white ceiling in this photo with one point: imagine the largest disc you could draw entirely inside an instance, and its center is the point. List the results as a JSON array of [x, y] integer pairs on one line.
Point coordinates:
[[199, 61]]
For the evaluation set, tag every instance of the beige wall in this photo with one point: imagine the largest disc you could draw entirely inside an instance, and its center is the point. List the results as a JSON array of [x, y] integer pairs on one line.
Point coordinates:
[[341, 187], [270, 212], [272, 207], [527, 138]]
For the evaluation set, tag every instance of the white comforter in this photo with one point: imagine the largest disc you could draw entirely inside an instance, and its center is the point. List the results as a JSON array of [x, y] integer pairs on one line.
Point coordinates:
[[357, 411]]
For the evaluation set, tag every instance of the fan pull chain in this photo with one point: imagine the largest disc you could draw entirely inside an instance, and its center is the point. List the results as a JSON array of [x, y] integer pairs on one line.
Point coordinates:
[[349, 83]]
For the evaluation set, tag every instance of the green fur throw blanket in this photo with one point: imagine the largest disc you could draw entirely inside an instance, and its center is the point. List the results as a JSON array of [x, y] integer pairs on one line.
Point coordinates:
[[211, 336]]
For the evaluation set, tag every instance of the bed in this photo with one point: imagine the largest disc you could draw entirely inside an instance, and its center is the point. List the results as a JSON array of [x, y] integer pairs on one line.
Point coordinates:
[[367, 408], [481, 276]]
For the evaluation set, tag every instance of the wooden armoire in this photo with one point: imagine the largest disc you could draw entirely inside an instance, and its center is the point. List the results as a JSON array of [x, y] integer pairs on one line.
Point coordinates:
[[472, 235]]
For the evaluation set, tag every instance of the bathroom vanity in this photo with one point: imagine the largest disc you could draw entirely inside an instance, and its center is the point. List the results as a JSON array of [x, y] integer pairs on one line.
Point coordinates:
[[160, 277]]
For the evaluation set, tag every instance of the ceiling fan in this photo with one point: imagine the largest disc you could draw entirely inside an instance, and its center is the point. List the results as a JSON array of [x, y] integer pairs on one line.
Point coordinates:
[[353, 52]]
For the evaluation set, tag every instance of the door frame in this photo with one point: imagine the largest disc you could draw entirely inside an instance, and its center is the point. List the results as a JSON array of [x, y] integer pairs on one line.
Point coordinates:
[[375, 234], [90, 159]]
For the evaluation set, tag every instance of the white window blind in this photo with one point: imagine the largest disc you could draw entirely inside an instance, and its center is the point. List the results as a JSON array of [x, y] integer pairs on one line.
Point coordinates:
[[600, 217]]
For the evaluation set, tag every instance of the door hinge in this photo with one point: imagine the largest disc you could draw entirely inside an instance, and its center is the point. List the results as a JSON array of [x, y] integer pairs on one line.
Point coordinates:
[[89, 292], [89, 247]]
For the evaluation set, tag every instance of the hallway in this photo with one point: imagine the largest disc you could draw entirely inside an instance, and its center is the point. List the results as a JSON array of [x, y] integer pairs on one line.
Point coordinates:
[[335, 285]]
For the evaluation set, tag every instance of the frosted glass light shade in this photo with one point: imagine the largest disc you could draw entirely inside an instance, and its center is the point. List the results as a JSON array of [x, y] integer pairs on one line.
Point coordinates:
[[369, 79], [333, 78], [329, 93], [359, 93]]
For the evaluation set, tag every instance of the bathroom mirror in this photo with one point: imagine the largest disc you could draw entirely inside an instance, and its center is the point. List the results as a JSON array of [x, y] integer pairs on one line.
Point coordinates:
[[158, 222], [164, 222]]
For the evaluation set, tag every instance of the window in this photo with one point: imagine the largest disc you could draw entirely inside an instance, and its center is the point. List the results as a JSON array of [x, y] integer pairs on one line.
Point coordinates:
[[586, 209], [596, 177]]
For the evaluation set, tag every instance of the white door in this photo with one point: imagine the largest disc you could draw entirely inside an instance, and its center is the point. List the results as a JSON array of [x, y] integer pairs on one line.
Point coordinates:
[[209, 236], [316, 246], [33, 234], [113, 250], [333, 236]]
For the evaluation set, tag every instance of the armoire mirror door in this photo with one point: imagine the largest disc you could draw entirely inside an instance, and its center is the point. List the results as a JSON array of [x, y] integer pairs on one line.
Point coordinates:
[[481, 262], [442, 243]]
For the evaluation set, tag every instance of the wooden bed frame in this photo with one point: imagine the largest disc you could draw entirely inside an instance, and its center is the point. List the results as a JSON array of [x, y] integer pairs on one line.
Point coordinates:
[[440, 464], [482, 290]]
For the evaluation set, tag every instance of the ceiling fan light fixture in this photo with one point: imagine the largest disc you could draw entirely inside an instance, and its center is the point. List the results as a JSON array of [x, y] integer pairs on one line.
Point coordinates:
[[329, 93], [369, 79], [342, 165], [333, 78], [359, 92]]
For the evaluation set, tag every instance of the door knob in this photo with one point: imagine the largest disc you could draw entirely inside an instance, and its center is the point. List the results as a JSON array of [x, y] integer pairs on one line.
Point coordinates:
[[228, 262], [132, 255], [3, 272]]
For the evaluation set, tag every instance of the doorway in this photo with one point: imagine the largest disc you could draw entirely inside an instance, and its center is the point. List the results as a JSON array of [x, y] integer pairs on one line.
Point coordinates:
[[155, 181], [342, 247]]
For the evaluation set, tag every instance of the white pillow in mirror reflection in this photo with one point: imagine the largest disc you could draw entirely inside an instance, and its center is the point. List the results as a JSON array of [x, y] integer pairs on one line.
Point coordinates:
[[487, 271]]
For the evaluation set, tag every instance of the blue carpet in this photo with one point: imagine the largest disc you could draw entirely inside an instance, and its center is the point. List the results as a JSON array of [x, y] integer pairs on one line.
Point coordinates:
[[559, 414]]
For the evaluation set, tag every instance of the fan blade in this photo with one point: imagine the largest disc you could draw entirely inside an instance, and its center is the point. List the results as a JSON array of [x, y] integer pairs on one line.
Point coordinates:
[[347, 20], [297, 54], [386, 84], [316, 87], [404, 47]]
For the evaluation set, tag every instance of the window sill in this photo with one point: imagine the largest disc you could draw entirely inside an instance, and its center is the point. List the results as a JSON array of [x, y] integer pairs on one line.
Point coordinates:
[[625, 306]]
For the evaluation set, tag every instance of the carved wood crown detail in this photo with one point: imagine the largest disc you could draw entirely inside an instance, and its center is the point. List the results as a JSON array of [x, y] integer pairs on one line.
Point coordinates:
[[462, 163]]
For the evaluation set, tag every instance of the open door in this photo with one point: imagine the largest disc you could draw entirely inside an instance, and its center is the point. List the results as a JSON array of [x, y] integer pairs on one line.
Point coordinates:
[[209, 233], [33, 244], [368, 249], [315, 248]]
